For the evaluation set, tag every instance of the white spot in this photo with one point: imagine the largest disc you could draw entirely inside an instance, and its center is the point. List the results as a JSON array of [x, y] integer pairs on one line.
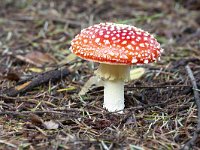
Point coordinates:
[[106, 41], [145, 38], [139, 33], [152, 41], [133, 42], [97, 40], [128, 37], [114, 38], [106, 36], [138, 38], [129, 28], [101, 33], [152, 36], [85, 41], [158, 46], [97, 26], [151, 45], [131, 53], [126, 57], [118, 40], [124, 42], [142, 45], [134, 60], [133, 36], [93, 36], [129, 46], [146, 61], [123, 57], [146, 34], [112, 29], [111, 53]]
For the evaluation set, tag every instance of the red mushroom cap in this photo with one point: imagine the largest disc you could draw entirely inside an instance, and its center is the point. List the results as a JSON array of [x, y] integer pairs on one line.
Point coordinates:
[[116, 44]]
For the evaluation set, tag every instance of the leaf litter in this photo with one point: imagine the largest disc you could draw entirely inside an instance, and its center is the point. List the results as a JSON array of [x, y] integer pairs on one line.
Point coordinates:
[[160, 108]]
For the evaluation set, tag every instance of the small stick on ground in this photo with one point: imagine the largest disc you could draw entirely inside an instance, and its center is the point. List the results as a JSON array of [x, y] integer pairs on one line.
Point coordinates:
[[23, 86], [188, 145]]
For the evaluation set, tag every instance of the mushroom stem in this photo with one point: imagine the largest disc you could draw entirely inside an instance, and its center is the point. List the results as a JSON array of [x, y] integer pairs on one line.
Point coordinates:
[[114, 95], [113, 77]]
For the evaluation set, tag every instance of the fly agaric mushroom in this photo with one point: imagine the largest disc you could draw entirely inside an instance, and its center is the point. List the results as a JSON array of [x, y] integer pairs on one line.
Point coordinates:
[[116, 47]]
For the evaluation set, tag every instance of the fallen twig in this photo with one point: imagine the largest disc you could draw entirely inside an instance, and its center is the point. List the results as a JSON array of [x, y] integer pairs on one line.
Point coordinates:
[[8, 143], [189, 144], [23, 86], [128, 88], [31, 112]]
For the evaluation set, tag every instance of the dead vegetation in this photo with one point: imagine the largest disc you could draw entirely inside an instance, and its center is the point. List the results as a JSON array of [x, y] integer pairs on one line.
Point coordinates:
[[161, 106]]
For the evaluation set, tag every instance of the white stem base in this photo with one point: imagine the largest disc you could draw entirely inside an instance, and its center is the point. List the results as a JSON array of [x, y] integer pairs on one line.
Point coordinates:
[[114, 95]]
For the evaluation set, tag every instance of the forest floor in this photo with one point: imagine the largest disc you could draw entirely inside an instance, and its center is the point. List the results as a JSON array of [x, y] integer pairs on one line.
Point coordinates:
[[161, 106]]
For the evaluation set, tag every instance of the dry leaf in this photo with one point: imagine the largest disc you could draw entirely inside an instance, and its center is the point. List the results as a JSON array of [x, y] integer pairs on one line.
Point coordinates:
[[38, 58], [12, 76], [94, 80], [71, 57], [51, 125], [136, 73], [35, 119]]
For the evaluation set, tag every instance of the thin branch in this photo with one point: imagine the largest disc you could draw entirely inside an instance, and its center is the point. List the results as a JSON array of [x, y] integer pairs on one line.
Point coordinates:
[[189, 144], [8, 143], [23, 86], [31, 112]]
